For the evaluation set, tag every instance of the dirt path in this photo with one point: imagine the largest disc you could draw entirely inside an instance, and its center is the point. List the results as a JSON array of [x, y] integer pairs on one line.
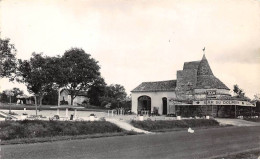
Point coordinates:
[[124, 125]]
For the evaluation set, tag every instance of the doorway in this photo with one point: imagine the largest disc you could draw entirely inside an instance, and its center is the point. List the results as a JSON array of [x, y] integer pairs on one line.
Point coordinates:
[[144, 103], [164, 101]]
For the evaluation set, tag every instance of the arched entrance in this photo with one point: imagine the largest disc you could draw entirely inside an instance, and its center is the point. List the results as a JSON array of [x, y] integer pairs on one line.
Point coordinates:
[[144, 103], [164, 101]]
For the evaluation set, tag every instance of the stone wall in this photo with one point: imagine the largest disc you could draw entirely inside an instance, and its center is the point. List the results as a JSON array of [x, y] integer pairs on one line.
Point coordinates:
[[186, 79]]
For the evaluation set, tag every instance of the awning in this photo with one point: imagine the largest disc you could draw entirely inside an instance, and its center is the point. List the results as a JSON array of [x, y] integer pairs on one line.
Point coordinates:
[[177, 103]]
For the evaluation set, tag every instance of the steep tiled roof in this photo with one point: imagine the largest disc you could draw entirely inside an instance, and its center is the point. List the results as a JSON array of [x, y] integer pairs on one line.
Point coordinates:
[[168, 85], [205, 77], [204, 68], [209, 82]]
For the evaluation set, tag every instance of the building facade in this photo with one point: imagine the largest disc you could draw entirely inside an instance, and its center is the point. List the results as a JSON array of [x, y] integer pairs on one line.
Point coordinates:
[[195, 86], [65, 97]]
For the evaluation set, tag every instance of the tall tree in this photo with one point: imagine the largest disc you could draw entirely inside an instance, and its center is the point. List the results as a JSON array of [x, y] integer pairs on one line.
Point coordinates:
[[116, 91], [78, 71], [257, 97], [7, 58], [38, 74], [16, 92], [51, 97], [238, 91], [96, 91], [6, 98], [115, 95]]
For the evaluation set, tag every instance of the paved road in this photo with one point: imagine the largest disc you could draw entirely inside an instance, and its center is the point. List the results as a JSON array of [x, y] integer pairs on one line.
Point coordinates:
[[236, 122], [204, 143]]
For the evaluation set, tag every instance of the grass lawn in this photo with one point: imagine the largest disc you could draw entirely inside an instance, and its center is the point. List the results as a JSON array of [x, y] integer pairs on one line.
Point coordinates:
[[46, 107], [29, 131], [254, 154], [173, 125]]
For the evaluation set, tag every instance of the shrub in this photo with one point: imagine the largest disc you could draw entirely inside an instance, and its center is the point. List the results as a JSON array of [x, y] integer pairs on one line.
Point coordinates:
[[104, 103], [170, 124], [63, 102], [37, 128], [252, 119]]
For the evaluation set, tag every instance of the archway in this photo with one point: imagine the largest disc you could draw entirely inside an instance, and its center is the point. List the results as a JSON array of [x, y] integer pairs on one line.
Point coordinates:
[[165, 105], [144, 103]]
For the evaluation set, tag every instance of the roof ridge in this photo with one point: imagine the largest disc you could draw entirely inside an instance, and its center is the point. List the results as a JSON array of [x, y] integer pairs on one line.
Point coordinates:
[[192, 61], [166, 85], [160, 81]]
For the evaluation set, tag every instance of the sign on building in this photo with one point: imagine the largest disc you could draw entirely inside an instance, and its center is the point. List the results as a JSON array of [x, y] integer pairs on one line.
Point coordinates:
[[223, 102], [211, 93]]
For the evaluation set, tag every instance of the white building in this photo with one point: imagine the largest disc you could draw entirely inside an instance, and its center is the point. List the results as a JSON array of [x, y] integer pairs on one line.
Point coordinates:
[[66, 97], [196, 88]]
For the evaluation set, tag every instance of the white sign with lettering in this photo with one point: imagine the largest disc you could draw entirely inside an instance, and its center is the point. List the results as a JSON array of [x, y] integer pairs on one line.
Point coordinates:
[[223, 102], [211, 93]]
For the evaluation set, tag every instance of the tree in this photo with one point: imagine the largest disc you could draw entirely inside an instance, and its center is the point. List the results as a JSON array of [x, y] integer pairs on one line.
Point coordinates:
[[16, 92], [256, 101], [5, 98], [7, 58], [257, 97], [51, 97], [114, 94], [239, 92], [78, 71], [96, 91], [38, 74]]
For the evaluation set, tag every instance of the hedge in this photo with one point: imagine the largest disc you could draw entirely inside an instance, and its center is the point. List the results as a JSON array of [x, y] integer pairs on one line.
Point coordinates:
[[37, 128], [150, 125]]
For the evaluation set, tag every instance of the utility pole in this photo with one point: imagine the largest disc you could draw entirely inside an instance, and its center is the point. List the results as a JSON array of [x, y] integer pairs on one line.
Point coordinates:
[[35, 104], [59, 90], [212, 110], [206, 102], [10, 104], [235, 111], [10, 94]]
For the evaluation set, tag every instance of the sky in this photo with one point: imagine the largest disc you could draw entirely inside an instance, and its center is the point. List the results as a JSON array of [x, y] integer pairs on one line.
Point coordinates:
[[141, 40]]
